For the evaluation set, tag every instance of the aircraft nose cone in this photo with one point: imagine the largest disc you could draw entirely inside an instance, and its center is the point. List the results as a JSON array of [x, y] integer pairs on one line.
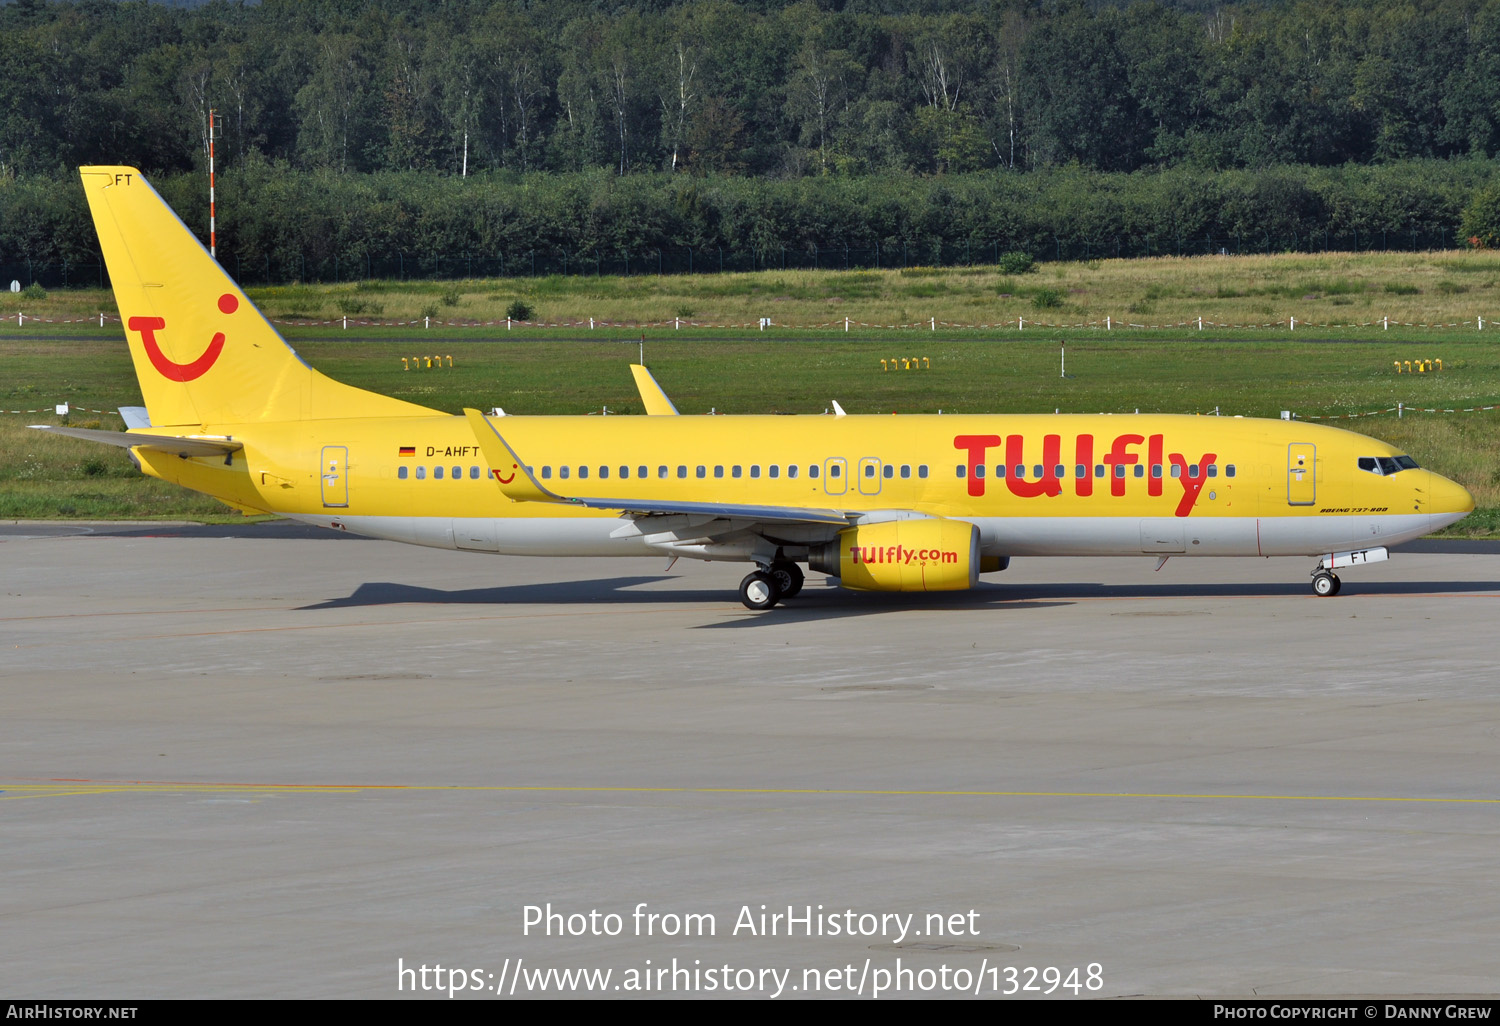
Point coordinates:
[[1447, 501]]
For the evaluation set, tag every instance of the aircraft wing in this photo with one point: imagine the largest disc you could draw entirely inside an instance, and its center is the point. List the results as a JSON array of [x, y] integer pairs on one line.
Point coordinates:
[[521, 486], [174, 444]]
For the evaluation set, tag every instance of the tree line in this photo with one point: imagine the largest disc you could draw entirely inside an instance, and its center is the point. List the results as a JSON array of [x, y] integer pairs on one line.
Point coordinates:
[[750, 88], [277, 222]]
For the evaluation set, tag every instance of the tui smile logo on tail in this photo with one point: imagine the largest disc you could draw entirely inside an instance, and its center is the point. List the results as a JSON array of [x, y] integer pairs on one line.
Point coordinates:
[[169, 368]]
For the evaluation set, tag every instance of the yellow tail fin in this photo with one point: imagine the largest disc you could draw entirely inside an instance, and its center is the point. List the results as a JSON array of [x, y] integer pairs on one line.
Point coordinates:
[[203, 353]]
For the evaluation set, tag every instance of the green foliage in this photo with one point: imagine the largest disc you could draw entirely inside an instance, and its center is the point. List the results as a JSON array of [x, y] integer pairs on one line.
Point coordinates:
[[1046, 299], [352, 305], [1480, 226], [1017, 262], [708, 90], [520, 310], [34, 292]]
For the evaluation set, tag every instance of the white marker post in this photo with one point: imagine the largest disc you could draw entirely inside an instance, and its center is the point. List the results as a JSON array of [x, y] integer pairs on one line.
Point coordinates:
[[1063, 350]]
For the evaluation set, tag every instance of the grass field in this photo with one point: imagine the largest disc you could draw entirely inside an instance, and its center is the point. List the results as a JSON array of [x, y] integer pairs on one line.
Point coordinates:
[[42, 476], [1245, 292]]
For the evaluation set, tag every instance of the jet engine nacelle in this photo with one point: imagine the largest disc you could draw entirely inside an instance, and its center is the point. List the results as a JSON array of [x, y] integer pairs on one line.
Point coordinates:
[[927, 554]]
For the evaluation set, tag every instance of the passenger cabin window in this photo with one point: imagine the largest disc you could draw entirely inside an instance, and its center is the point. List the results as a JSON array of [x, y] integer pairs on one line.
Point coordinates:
[[641, 472], [922, 470], [702, 470], [1059, 471], [890, 471], [719, 471], [401, 473], [603, 473], [473, 473], [421, 473], [961, 470], [1156, 470], [458, 473], [437, 473], [979, 470], [734, 471], [1213, 470], [754, 471], [1140, 470], [583, 472], [834, 470], [562, 472], [1229, 470], [812, 471], [1083, 471], [791, 471], [999, 469], [682, 471], [546, 473], [905, 470], [773, 471], [661, 472]]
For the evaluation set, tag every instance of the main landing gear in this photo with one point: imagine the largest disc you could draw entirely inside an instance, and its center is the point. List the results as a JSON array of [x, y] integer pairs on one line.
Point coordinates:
[[1326, 584], [764, 588]]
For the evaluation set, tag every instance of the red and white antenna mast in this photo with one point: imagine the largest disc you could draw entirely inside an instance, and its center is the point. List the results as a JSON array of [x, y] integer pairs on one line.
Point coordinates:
[[213, 130]]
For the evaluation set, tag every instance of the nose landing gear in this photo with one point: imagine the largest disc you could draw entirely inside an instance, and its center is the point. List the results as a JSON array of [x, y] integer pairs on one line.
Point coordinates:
[[1325, 584]]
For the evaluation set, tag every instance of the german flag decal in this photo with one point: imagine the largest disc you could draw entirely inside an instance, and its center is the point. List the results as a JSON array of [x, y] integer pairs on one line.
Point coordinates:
[[408, 450]]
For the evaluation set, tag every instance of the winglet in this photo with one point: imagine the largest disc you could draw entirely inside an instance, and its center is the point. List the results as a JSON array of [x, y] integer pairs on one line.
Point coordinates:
[[514, 479], [657, 403]]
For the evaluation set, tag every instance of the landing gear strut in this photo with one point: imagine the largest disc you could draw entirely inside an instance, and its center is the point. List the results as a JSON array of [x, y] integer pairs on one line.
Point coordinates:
[[1326, 584]]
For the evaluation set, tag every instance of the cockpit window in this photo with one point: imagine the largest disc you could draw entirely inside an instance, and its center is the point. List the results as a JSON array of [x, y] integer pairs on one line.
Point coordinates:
[[1385, 466]]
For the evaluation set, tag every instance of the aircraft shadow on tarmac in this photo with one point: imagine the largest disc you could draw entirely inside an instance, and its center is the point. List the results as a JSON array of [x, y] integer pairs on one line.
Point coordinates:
[[818, 603]]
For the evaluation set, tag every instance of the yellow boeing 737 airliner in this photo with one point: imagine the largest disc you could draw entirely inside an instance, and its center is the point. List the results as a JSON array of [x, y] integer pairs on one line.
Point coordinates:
[[884, 503]]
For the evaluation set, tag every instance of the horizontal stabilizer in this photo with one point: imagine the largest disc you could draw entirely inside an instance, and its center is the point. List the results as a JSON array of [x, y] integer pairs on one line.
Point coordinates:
[[174, 444]]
